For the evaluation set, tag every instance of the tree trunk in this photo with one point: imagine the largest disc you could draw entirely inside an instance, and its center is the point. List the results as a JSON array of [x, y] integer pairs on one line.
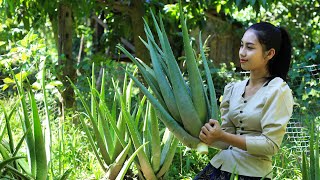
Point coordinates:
[[66, 62], [136, 14]]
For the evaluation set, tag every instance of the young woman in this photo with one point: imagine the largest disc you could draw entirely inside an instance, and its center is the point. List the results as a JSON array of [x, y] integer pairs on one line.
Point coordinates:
[[254, 112]]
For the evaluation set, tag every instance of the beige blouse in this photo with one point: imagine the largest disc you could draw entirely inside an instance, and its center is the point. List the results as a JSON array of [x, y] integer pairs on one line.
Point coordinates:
[[262, 119]]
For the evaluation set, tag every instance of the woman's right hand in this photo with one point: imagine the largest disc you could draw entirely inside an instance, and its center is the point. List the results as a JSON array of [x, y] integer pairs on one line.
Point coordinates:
[[211, 132]]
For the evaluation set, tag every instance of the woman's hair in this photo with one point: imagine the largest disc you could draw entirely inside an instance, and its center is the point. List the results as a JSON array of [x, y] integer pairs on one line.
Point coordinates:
[[278, 38]]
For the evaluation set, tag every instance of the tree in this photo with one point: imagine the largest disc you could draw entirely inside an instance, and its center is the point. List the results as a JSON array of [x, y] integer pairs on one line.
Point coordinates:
[[66, 62]]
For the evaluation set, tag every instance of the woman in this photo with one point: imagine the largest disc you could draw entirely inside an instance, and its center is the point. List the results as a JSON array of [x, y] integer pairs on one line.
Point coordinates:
[[255, 111]]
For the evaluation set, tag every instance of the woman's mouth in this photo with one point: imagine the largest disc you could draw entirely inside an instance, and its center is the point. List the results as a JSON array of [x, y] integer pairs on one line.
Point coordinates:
[[243, 60]]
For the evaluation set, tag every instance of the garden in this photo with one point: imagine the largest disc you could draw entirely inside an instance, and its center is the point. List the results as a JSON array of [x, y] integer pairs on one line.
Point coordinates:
[[95, 89]]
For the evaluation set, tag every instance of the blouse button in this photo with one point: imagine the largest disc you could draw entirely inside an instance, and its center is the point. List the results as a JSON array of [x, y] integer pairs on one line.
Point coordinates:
[[241, 133], [241, 111], [245, 101], [240, 121], [230, 147], [242, 129]]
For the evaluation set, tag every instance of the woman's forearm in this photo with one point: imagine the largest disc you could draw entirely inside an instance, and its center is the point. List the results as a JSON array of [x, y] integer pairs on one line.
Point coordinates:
[[234, 140]]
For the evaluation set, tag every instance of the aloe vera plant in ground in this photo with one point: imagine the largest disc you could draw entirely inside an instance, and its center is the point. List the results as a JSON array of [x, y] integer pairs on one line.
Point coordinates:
[[183, 108], [115, 136], [34, 163]]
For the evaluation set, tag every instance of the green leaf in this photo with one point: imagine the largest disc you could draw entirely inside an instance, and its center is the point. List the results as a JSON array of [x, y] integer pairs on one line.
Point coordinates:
[[26, 124], [2, 42], [163, 82], [118, 164], [56, 83], [21, 76], [218, 8], [7, 161], [214, 111], [28, 38], [5, 86], [136, 138], [19, 145], [169, 157], [40, 150], [8, 80], [312, 152], [47, 127], [128, 163], [91, 141], [305, 167], [66, 174], [155, 139], [167, 119], [93, 121], [18, 173], [317, 166], [9, 131], [146, 75]]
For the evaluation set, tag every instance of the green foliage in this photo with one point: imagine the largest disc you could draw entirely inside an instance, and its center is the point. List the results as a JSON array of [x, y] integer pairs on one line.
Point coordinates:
[[107, 139], [224, 74], [313, 56], [286, 162], [188, 163], [27, 59], [310, 164]]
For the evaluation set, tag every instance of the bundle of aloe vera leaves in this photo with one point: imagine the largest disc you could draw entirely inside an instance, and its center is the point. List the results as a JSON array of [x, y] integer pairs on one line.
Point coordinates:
[[183, 104]]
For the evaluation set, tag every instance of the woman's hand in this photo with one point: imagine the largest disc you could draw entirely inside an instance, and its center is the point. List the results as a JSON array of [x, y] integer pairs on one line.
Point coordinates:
[[211, 132]]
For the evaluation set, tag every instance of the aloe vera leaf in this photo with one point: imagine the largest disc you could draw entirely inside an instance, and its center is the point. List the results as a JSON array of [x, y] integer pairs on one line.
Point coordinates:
[[169, 157], [164, 85], [128, 162], [136, 138], [117, 165], [213, 99], [155, 139], [196, 83], [166, 118], [40, 151]]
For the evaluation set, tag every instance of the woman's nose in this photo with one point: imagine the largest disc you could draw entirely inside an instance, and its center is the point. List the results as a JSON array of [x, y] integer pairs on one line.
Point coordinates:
[[242, 52]]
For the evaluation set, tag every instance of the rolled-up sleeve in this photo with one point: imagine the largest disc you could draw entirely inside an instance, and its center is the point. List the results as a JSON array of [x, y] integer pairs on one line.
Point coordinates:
[[275, 116], [226, 124]]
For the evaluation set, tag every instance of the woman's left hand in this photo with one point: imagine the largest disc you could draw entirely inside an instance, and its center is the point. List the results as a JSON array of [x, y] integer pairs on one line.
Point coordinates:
[[211, 132]]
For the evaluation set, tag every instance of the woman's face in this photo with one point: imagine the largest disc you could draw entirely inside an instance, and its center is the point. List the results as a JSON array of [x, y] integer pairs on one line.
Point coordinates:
[[251, 53]]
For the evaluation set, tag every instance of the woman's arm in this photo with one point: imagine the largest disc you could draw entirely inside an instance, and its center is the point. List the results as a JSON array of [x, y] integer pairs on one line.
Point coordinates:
[[275, 116]]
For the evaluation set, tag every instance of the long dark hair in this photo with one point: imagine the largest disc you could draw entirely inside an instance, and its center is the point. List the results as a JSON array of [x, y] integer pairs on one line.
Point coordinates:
[[278, 38]]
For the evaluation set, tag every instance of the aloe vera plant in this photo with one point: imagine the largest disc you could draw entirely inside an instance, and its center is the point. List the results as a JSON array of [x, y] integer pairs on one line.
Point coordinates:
[[37, 157], [116, 137], [108, 136], [310, 166], [183, 108], [154, 161], [36, 164]]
